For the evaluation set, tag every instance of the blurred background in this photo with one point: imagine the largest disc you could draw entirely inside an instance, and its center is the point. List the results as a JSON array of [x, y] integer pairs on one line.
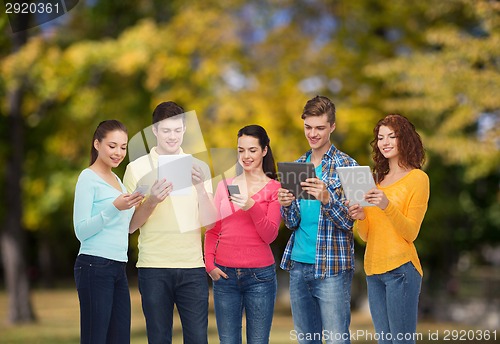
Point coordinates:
[[237, 63]]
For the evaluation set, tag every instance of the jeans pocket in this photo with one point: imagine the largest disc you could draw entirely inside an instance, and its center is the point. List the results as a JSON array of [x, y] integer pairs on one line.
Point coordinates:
[[266, 274]]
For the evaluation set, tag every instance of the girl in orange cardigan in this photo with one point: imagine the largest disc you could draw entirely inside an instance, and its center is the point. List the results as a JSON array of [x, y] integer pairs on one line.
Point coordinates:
[[394, 273]]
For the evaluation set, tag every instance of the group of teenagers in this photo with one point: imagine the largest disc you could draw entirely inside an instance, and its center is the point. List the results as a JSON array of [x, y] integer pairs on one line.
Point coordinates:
[[239, 228]]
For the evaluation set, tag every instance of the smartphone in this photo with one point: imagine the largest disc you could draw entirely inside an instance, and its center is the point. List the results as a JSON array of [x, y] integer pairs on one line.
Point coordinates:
[[233, 190], [142, 189]]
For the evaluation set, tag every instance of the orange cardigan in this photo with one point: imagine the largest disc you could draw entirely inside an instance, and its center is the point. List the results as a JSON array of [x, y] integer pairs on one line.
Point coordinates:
[[389, 233]]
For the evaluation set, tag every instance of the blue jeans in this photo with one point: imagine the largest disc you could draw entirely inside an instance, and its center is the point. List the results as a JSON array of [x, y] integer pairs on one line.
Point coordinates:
[[252, 290], [160, 289], [321, 308], [104, 300], [393, 298]]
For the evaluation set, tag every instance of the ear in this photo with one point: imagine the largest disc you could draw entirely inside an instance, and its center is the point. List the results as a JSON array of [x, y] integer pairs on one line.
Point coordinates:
[[332, 128], [96, 144], [154, 129], [264, 152]]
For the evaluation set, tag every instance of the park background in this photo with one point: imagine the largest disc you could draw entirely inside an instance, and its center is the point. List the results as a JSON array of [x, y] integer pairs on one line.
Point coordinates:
[[241, 62]]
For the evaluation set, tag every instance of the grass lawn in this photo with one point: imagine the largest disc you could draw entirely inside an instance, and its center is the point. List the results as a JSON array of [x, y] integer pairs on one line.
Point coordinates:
[[58, 323]]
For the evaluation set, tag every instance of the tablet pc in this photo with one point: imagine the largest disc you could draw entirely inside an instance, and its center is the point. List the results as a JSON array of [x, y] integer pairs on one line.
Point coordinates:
[[176, 169], [356, 182], [291, 174]]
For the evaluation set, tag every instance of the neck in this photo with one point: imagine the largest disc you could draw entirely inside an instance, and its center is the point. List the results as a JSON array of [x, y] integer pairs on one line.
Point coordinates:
[[254, 176], [317, 154], [394, 167], [100, 168], [162, 152]]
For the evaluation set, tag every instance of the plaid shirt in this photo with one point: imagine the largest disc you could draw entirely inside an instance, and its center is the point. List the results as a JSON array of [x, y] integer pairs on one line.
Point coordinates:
[[335, 245]]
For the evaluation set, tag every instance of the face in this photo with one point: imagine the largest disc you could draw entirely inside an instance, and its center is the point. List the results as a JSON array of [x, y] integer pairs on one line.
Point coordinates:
[[169, 135], [387, 142], [112, 148], [317, 130], [250, 154]]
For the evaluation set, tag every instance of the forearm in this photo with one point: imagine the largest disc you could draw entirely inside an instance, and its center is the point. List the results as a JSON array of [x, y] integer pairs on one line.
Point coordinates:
[[361, 226], [206, 207], [88, 227], [406, 226], [291, 215], [211, 237], [141, 215], [267, 225], [338, 213]]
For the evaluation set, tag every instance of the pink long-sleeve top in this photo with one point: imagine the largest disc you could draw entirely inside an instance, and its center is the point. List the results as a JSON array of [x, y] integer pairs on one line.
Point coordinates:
[[240, 239]]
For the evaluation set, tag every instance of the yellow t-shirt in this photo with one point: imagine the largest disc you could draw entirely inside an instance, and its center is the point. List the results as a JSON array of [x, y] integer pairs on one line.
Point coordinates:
[[171, 237], [389, 233]]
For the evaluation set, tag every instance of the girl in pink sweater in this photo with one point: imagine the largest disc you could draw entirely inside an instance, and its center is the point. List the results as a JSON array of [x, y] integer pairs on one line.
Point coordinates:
[[237, 253]]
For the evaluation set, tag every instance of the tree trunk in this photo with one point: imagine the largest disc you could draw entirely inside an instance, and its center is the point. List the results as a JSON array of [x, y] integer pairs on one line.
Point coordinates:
[[12, 237]]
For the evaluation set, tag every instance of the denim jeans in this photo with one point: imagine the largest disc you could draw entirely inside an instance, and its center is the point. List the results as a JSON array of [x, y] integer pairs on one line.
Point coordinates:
[[321, 308], [249, 289], [393, 298], [104, 300], [160, 289]]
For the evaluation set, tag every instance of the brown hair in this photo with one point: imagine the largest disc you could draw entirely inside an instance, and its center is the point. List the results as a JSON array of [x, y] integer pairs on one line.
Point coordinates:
[[168, 110], [319, 106], [100, 133], [410, 147]]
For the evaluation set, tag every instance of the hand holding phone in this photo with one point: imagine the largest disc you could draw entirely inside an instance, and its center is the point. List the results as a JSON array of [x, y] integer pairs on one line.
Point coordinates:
[[233, 190]]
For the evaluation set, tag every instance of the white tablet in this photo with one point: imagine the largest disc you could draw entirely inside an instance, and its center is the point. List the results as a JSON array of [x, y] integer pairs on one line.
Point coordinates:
[[176, 169], [356, 182]]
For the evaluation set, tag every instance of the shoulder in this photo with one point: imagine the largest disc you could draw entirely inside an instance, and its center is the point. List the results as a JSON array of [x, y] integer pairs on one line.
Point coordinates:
[[418, 177], [343, 159], [86, 175], [140, 161], [86, 180], [273, 185], [418, 174]]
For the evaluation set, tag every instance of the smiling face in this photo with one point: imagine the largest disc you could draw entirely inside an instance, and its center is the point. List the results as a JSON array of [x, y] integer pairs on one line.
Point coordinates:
[[112, 148], [250, 153], [317, 130], [387, 142], [169, 135]]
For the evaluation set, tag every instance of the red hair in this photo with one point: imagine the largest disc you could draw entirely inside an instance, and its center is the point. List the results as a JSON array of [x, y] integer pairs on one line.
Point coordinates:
[[410, 147]]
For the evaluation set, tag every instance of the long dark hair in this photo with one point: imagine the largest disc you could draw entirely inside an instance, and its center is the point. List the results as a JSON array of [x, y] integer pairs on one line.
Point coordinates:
[[260, 134], [410, 147], [100, 133]]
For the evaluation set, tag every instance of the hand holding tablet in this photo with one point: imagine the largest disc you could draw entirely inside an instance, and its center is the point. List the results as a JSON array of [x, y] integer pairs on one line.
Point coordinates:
[[292, 174], [356, 182]]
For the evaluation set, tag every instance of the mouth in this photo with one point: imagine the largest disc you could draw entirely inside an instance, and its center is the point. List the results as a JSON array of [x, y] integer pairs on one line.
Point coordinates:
[[387, 149], [313, 140], [247, 162], [116, 160]]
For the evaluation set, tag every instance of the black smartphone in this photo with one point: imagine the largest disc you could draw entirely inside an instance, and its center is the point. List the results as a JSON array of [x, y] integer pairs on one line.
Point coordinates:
[[233, 190]]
